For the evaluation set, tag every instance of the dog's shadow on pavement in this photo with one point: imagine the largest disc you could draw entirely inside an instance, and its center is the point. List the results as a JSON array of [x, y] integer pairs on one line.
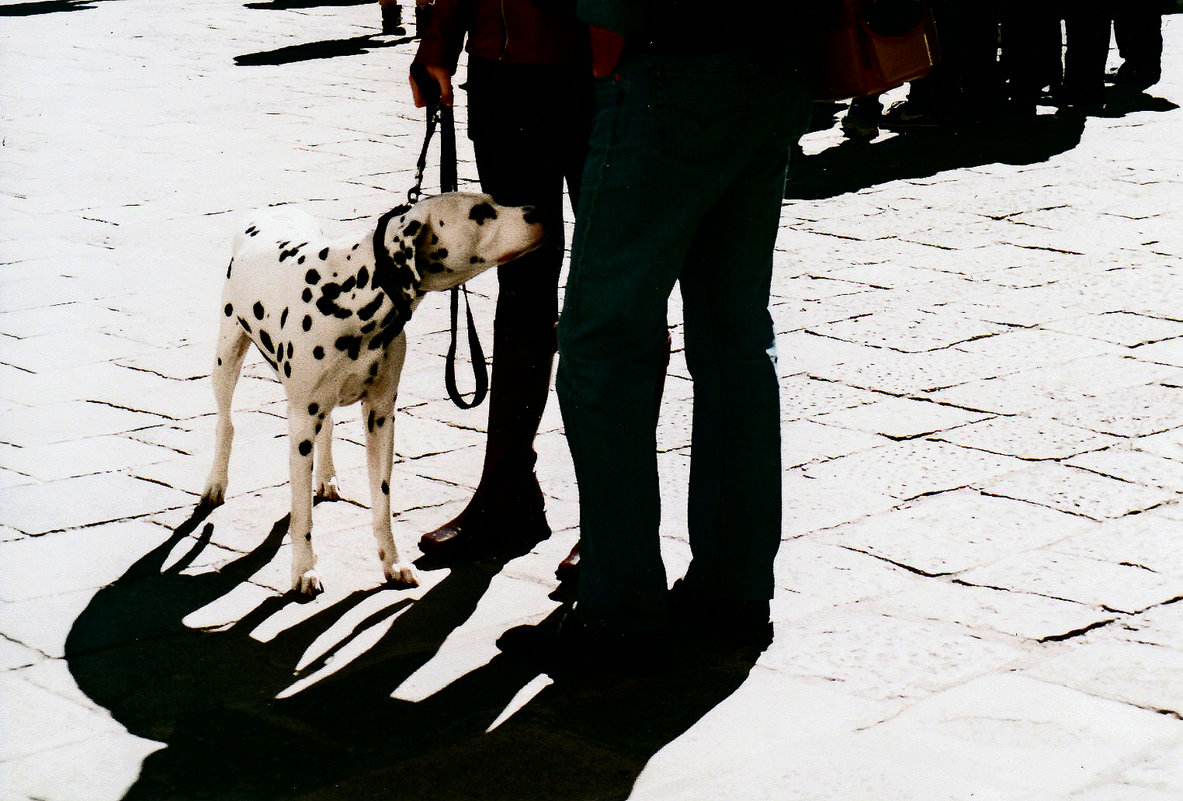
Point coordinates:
[[210, 696]]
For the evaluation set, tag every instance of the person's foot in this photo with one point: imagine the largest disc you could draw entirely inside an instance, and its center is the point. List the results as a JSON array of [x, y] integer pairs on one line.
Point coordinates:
[[708, 621], [564, 645], [904, 115], [1135, 77], [392, 20], [858, 124], [496, 521], [568, 570]]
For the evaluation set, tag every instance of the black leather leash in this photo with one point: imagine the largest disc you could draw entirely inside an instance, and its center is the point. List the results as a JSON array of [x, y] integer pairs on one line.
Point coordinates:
[[440, 116]]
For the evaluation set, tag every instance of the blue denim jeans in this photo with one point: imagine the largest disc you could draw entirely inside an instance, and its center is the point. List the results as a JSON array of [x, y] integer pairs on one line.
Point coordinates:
[[684, 183]]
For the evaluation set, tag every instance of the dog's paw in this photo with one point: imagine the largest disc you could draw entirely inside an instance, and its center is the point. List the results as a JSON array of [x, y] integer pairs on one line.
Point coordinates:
[[401, 574], [328, 490], [214, 496], [308, 584]]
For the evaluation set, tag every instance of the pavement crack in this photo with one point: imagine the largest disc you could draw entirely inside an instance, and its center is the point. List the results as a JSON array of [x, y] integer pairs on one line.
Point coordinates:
[[901, 565], [159, 374], [1135, 564], [1080, 632], [121, 407]]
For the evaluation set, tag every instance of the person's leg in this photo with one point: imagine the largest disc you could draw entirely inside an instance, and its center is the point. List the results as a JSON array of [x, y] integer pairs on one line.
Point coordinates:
[[669, 140], [1137, 26], [1086, 26], [521, 159], [735, 481], [637, 215], [392, 17]]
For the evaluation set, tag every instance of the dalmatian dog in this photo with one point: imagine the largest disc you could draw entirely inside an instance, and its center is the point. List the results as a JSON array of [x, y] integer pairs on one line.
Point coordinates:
[[328, 316]]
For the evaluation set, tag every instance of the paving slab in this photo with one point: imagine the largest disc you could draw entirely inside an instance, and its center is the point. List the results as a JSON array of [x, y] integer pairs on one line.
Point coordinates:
[[981, 353]]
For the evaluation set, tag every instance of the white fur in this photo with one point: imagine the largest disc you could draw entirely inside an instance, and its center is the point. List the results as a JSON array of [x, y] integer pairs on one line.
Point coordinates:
[[328, 316]]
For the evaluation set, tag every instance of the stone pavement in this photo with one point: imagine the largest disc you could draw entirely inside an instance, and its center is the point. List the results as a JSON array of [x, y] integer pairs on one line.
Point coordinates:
[[981, 345]]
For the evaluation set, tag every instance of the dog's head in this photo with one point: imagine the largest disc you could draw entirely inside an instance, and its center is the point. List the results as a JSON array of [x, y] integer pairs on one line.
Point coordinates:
[[450, 238]]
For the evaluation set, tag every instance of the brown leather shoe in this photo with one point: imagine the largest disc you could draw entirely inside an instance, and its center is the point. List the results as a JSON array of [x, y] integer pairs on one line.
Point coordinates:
[[494, 523]]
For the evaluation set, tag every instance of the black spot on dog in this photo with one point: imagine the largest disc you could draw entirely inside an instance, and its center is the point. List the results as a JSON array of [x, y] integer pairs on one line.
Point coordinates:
[[265, 338], [291, 350], [313, 409], [435, 240], [355, 247], [330, 309], [318, 428], [219, 362], [363, 277], [312, 277], [306, 448], [229, 310], [229, 267], [251, 231], [259, 310], [370, 422], [245, 325], [385, 491], [308, 537], [476, 260], [374, 370], [481, 213], [440, 254], [412, 228], [307, 295], [370, 326], [381, 421], [307, 324], [324, 254], [283, 318], [349, 344], [318, 352], [287, 369], [300, 260], [348, 284]]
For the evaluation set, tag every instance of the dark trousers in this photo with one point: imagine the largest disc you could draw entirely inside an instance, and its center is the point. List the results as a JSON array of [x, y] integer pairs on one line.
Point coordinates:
[[684, 184], [529, 127]]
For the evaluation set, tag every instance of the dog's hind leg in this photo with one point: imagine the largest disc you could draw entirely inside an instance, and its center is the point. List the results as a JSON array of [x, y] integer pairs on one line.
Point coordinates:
[[232, 347], [301, 434], [326, 472]]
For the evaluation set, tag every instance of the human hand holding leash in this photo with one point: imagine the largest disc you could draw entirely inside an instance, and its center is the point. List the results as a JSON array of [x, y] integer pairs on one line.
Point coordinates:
[[429, 84]]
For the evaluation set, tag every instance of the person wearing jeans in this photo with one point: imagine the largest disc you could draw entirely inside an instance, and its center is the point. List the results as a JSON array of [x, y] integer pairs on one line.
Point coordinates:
[[683, 184]]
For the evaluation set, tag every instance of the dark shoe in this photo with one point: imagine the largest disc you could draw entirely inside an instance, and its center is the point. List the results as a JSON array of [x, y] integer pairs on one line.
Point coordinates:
[[568, 570], [711, 622], [392, 20], [497, 521], [906, 116], [564, 645]]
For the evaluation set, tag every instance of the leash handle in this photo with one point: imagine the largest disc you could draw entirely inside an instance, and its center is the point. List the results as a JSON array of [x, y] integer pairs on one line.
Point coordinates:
[[480, 372], [441, 117]]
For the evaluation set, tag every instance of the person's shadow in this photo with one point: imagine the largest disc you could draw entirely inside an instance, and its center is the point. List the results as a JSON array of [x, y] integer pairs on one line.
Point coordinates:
[[922, 153], [854, 165], [211, 697]]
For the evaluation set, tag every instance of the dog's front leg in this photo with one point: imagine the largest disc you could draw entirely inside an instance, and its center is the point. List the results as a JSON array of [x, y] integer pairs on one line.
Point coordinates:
[[379, 418], [378, 411], [301, 435]]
